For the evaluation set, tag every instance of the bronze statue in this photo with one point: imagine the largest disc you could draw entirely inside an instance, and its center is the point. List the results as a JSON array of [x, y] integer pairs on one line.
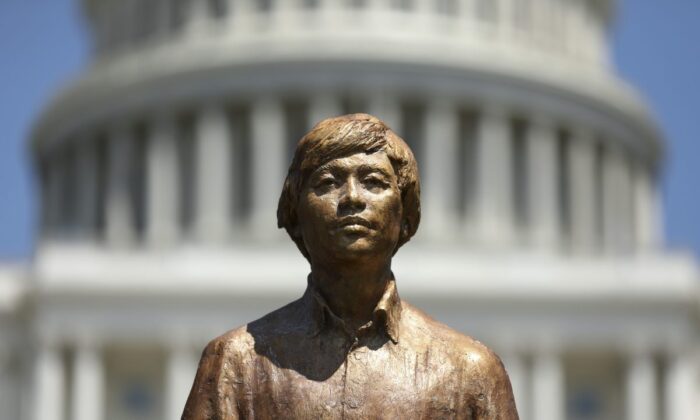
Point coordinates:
[[349, 347]]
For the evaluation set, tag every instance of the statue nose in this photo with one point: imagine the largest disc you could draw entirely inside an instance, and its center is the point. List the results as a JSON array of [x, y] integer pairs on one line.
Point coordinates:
[[352, 198]]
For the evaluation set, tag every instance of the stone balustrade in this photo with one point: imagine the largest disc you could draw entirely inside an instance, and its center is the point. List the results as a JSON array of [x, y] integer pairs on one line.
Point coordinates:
[[570, 28]]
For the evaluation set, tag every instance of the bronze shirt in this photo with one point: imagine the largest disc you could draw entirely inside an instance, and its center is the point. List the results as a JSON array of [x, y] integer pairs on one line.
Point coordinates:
[[301, 362]]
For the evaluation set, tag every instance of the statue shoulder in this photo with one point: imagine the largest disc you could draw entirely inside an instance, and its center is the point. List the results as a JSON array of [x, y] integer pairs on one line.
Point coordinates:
[[464, 350], [235, 342], [242, 340]]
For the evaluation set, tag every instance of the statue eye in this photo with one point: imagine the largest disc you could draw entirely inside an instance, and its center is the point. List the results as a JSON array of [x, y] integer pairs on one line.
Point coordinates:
[[375, 182], [325, 182]]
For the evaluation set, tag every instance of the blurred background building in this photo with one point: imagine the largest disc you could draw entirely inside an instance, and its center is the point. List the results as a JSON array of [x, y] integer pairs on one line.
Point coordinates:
[[160, 169]]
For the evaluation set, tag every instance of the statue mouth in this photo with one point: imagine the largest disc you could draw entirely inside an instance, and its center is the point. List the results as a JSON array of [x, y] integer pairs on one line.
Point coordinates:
[[354, 223]]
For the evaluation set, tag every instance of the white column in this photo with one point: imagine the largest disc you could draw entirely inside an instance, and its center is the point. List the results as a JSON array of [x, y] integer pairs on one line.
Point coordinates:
[[542, 191], [440, 179], [609, 213], [180, 372], [214, 190], [49, 384], [88, 383], [505, 18], [162, 178], [494, 190], [583, 196], [322, 106], [329, 13], [244, 15], [119, 217], [647, 209], [467, 12], [641, 387], [617, 198], [517, 372], [424, 14], [548, 387], [387, 108], [268, 150], [681, 387], [87, 191]]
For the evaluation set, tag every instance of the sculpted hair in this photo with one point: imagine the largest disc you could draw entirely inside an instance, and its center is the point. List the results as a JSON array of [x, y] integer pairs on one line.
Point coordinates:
[[343, 136]]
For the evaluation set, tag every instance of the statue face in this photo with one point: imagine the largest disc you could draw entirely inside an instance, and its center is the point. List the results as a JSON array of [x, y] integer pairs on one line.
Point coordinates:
[[351, 207]]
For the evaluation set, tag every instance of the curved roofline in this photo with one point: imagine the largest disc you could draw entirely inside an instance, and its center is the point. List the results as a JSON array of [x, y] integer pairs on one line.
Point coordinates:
[[135, 74]]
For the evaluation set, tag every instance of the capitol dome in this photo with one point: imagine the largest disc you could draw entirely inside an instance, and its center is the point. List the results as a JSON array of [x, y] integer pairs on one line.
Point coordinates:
[[161, 165]]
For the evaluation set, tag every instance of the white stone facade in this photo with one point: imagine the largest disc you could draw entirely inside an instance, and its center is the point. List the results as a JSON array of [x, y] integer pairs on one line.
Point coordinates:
[[161, 165]]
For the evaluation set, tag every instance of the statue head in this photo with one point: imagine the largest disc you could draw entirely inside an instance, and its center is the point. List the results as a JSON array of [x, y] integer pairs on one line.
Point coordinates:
[[352, 186]]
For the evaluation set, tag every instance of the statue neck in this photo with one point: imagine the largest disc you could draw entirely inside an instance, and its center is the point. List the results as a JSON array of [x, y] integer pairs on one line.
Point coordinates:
[[352, 291]]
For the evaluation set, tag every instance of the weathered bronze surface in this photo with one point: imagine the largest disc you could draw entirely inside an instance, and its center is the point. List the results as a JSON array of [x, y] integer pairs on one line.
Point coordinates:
[[349, 347]]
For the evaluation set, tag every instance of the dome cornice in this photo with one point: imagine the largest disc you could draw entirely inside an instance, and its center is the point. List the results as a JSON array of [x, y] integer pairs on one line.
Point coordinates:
[[190, 72]]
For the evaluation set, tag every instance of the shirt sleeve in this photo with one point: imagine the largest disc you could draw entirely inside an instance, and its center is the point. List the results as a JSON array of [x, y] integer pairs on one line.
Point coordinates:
[[205, 401]]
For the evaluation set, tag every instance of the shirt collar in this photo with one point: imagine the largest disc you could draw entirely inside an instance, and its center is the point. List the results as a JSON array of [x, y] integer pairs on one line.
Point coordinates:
[[386, 315]]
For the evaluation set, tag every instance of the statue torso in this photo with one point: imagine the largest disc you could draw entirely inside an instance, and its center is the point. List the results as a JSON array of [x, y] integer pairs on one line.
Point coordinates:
[[300, 362]]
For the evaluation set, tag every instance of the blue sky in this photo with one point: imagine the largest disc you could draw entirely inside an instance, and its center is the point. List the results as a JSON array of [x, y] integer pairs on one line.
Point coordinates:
[[42, 44]]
